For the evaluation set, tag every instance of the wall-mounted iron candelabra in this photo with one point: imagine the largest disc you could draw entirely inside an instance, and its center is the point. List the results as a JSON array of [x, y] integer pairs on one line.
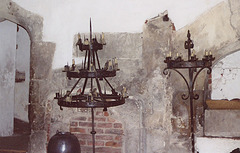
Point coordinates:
[[91, 71], [194, 67]]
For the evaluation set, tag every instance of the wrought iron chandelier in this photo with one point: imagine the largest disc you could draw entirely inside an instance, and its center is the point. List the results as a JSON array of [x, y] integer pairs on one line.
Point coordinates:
[[91, 72], [194, 67], [97, 97]]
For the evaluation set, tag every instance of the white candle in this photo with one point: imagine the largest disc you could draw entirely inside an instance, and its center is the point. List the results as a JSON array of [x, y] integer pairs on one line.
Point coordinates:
[[102, 35], [193, 52]]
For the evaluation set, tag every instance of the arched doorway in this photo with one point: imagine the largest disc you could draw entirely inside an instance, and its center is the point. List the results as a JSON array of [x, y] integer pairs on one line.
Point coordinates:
[[14, 72], [41, 57]]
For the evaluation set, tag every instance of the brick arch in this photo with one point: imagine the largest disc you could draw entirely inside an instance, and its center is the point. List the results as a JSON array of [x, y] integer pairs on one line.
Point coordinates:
[[40, 52], [110, 131]]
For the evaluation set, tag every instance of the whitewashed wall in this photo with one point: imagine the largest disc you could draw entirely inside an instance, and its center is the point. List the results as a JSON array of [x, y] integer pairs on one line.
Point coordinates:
[[7, 76], [216, 145], [225, 78], [22, 65], [63, 19]]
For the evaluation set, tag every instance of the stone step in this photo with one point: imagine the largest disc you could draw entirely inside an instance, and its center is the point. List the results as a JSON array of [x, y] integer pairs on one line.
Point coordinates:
[[222, 123], [216, 145], [12, 151], [14, 143]]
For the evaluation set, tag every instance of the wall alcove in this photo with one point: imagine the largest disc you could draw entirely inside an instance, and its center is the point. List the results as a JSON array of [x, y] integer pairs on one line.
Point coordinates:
[[225, 92], [223, 106]]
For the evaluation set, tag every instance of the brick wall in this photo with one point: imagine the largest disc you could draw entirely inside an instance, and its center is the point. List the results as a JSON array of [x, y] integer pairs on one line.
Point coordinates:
[[108, 138], [210, 82]]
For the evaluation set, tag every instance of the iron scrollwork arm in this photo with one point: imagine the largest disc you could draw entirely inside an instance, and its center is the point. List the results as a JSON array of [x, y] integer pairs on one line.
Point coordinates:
[[184, 96], [196, 96]]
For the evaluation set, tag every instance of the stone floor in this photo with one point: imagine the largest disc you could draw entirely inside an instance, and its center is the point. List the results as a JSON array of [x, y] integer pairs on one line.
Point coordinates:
[[18, 142]]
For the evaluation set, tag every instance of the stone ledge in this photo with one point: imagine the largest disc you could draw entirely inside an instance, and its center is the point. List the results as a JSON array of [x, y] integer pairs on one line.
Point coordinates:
[[222, 123]]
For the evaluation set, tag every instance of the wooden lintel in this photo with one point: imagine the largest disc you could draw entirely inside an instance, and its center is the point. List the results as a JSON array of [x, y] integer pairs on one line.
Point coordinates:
[[223, 104]]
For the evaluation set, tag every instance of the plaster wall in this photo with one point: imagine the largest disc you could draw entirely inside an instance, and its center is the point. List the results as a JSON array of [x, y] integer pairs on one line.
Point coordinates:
[[7, 74], [22, 65], [63, 19], [225, 78], [216, 145]]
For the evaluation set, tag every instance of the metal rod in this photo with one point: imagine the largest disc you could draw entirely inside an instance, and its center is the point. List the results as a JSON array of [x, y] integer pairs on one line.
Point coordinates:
[[191, 70], [99, 87], [98, 60], [108, 83], [74, 86], [191, 109], [91, 44], [84, 86], [91, 84], [93, 132], [89, 59], [85, 60], [188, 46], [94, 60]]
